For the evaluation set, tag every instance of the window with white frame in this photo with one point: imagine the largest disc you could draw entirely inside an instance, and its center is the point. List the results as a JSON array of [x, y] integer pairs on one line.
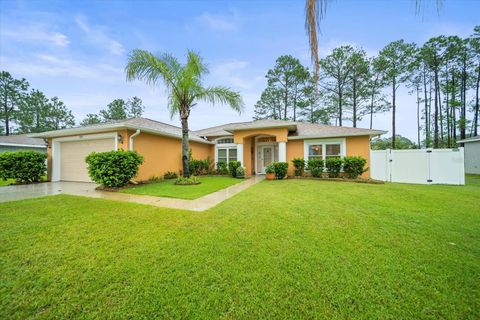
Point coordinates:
[[323, 149], [226, 150]]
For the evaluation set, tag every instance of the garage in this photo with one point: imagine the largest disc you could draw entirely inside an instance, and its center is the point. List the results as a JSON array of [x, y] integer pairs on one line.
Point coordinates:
[[73, 154]]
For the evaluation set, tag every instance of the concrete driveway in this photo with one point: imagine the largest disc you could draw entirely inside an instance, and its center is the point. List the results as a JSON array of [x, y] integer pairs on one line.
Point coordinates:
[[20, 192]]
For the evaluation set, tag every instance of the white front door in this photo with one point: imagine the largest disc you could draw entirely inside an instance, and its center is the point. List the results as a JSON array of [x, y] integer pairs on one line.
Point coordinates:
[[267, 157]]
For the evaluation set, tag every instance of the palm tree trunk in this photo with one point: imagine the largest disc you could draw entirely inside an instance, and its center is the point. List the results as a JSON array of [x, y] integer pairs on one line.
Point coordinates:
[[185, 146]]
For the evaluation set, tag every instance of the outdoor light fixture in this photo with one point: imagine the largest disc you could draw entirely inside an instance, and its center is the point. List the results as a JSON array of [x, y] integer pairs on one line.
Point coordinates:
[[119, 138]]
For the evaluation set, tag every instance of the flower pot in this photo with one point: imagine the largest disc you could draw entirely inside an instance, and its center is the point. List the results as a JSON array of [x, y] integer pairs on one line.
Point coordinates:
[[270, 176]]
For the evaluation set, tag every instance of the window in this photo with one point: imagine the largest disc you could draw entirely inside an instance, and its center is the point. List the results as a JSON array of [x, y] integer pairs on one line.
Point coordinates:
[[225, 141], [226, 154], [222, 155], [315, 151], [232, 155], [332, 151], [324, 148]]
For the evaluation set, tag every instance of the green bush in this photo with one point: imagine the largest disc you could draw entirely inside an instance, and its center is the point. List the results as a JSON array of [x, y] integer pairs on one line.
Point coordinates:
[[240, 172], [232, 167], [299, 165], [281, 169], [199, 167], [270, 168], [222, 168], [170, 175], [113, 168], [354, 166], [315, 166], [23, 166], [183, 181], [334, 166]]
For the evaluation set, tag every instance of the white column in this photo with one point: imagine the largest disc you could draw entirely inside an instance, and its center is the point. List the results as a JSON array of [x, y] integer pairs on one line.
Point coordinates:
[[282, 152], [240, 152]]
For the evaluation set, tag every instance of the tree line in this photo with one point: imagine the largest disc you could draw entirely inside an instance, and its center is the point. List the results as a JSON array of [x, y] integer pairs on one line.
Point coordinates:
[[443, 74], [25, 110]]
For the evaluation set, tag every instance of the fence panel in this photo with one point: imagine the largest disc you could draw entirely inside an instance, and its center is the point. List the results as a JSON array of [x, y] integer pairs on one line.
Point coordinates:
[[424, 166]]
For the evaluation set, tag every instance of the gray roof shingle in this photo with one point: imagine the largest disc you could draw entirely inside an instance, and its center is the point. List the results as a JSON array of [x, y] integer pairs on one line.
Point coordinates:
[[21, 139], [297, 130], [144, 124]]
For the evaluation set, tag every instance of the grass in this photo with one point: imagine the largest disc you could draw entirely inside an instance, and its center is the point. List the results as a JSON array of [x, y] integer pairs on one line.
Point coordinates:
[[280, 249], [6, 182], [167, 188]]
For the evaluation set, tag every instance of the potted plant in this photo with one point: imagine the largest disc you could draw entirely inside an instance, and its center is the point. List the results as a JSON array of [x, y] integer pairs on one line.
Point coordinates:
[[270, 171]]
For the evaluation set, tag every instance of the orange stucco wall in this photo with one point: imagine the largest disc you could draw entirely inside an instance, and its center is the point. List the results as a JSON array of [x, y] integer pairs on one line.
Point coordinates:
[[162, 154], [359, 146], [281, 134], [294, 150]]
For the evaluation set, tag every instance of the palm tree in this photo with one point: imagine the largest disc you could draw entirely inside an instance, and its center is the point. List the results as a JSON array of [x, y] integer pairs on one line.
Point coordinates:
[[184, 87]]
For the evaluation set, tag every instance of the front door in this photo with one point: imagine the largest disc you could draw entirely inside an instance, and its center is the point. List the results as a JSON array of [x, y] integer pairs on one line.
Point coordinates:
[[267, 157]]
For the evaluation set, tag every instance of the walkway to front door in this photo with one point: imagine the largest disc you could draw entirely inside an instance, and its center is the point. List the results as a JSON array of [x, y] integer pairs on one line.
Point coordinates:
[[20, 192]]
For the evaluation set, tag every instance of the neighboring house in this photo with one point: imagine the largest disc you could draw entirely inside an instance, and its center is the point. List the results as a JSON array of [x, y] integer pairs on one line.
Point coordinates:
[[22, 142], [472, 154], [254, 143]]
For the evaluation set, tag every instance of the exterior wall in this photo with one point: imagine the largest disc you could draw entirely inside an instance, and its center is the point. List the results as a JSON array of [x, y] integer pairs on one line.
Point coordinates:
[[162, 154], [472, 157], [360, 146], [248, 155], [281, 134], [294, 150]]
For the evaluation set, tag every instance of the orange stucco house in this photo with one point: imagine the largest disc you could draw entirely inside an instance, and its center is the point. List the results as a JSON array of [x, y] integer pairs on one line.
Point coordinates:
[[254, 143]]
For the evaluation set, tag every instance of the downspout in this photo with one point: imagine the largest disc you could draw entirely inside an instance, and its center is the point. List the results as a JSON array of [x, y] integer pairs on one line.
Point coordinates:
[[130, 144]]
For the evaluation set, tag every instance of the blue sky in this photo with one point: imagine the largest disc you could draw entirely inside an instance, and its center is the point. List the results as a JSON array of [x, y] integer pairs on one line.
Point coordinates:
[[77, 50]]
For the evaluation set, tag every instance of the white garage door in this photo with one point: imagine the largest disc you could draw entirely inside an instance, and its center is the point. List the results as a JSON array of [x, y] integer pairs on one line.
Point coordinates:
[[72, 157]]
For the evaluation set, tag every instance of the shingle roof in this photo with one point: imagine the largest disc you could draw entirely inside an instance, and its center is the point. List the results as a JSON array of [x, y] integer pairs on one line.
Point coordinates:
[[297, 130], [144, 124], [21, 139], [315, 130]]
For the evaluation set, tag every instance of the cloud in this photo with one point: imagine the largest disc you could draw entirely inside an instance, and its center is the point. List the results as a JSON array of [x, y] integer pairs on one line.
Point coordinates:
[[233, 73], [98, 35], [36, 34], [46, 65], [223, 23]]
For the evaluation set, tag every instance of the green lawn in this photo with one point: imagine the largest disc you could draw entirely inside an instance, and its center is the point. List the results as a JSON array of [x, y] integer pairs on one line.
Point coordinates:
[[6, 182], [167, 188], [280, 249]]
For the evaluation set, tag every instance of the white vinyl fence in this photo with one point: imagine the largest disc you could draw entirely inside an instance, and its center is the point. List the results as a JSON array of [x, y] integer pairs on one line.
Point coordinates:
[[424, 166]]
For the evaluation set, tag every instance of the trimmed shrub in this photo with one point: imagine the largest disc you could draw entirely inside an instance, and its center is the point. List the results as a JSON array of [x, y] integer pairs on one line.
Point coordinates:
[[184, 181], [113, 168], [281, 169], [299, 165], [315, 166], [241, 172], [270, 168], [170, 175], [222, 168], [354, 166], [232, 167], [23, 166], [334, 166], [199, 167]]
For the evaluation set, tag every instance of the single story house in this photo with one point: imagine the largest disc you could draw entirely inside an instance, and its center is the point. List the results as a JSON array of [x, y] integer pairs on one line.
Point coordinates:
[[254, 143], [22, 142], [472, 154]]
